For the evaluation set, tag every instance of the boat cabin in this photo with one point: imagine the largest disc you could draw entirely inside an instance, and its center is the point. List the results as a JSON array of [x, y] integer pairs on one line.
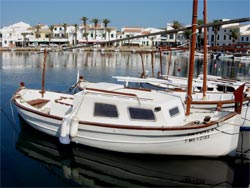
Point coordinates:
[[118, 105]]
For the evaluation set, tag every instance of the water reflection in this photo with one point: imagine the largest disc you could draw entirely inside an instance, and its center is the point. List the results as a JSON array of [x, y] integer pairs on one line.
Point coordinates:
[[176, 65], [92, 167]]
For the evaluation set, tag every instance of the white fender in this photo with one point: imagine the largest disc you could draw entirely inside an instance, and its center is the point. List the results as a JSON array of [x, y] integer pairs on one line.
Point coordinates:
[[64, 129], [64, 134], [74, 126]]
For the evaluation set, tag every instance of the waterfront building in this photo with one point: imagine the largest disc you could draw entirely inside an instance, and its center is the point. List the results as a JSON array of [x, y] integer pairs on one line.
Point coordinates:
[[137, 31], [94, 34], [24, 35], [223, 36], [244, 34], [170, 39], [41, 35], [15, 35]]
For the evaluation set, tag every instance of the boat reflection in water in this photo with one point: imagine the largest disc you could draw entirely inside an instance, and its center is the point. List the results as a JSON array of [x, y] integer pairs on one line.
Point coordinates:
[[94, 167]]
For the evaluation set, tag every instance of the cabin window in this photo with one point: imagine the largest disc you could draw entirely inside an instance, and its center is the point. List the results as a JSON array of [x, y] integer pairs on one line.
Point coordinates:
[[105, 110], [141, 113], [174, 111], [225, 88]]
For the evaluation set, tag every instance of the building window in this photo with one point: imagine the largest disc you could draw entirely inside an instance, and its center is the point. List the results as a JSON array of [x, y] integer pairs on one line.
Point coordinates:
[[171, 36], [212, 38], [218, 37], [246, 38], [105, 110], [242, 38], [141, 114], [225, 37]]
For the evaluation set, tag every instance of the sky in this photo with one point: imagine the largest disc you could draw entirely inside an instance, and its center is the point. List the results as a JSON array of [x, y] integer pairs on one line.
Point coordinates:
[[121, 13]]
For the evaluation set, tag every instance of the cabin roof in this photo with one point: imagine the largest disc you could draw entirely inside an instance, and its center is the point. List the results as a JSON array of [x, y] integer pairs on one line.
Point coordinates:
[[118, 89]]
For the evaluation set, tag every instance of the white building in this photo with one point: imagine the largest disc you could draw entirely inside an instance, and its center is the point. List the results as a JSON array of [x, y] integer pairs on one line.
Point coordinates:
[[224, 34], [15, 34], [137, 31], [244, 34], [22, 34]]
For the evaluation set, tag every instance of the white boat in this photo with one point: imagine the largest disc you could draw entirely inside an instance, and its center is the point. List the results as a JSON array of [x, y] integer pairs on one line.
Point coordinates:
[[214, 83], [112, 117], [218, 92]]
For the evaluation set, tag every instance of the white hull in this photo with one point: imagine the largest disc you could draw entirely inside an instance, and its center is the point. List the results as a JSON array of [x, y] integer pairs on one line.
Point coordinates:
[[200, 142]]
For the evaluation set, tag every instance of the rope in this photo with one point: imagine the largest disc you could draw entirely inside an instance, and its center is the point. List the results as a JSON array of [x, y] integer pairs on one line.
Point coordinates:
[[12, 121]]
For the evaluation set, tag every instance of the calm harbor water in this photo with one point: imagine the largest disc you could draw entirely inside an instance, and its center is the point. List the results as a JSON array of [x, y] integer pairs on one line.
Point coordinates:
[[30, 158]]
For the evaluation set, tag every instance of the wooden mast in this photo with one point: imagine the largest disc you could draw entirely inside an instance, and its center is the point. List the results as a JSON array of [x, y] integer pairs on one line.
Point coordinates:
[[143, 74], [205, 51], [160, 61], [191, 57], [43, 76]]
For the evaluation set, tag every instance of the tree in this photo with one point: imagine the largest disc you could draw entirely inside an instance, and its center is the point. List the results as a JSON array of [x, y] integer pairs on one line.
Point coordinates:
[[105, 22], [75, 34], [24, 38], [84, 19], [176, 25], [200, 22], [65, 30], [95, 21], [216, 29], [109, 31], [38, 27], [234, 35], [187, 34], [52, 33]]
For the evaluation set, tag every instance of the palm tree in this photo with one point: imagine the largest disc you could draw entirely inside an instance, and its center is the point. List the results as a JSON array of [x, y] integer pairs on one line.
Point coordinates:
[[199, 22], [105, 22], [216, 29], [24, 38], [109, 31], [176, 25], [51, 34], [187, 33], [84, 19], [75, 34], [65, 30], [234, 36], [38, 27], [95, 21]]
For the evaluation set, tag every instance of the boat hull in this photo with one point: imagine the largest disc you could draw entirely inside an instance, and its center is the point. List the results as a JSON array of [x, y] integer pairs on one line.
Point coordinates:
[[212, 141]]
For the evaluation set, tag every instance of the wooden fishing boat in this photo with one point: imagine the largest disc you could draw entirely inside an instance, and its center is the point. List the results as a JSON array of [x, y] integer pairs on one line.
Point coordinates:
[[113, 117]]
